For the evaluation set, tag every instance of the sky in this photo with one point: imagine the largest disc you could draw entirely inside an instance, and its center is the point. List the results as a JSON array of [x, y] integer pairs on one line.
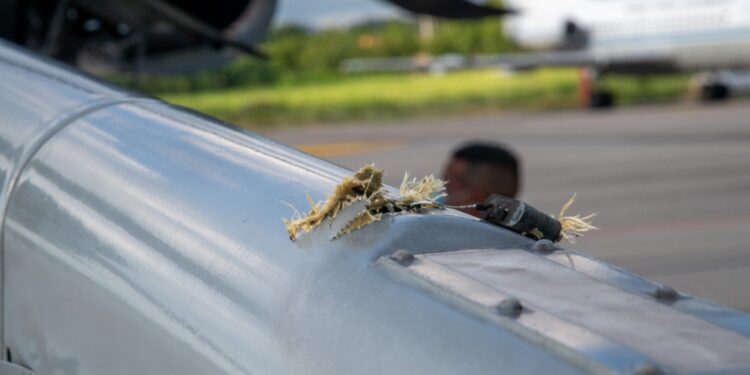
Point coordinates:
[[326, 13]]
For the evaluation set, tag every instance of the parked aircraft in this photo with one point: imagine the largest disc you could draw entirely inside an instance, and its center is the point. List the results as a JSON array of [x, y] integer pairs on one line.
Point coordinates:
[[614, 36], [633, 37]]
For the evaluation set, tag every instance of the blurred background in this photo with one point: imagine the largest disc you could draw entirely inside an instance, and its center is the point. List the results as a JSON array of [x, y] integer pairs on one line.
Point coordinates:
[[638, 106]]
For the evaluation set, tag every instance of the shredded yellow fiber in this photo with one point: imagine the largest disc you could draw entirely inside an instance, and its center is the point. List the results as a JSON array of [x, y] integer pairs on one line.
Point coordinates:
[[428, 189], [366, 185], [574, 226]]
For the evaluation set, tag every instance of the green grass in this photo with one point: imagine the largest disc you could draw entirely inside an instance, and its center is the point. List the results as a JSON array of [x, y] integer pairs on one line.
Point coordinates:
[[400, 95]]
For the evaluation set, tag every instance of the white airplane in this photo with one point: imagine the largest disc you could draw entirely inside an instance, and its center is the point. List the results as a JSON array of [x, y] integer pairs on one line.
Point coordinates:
[[633, 36]]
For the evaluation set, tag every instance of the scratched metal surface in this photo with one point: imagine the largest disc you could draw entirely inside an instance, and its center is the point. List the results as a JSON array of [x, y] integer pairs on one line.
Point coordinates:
[[140, 238]]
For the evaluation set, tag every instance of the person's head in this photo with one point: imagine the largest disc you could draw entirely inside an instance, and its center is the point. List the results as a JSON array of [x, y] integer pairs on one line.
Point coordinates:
[[477, 170]]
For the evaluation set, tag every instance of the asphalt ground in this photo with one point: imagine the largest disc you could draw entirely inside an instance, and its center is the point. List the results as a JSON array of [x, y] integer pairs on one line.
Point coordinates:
[[670, 184]]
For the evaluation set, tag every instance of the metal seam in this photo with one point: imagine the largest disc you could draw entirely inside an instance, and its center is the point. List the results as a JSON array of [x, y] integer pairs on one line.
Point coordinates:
[[54, 126], [722, 321]]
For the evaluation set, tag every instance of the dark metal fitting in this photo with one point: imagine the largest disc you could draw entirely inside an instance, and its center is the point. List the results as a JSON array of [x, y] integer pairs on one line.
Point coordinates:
[[403, 258], [510, 307], [666, 293], [648, 369], [521, 218], [544, 246]]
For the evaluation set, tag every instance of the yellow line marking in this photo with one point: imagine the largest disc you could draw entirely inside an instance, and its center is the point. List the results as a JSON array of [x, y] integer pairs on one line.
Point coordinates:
[[348, 148]]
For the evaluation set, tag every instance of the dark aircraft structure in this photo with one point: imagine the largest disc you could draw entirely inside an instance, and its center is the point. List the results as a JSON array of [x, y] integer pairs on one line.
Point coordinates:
[[162, 36], [451, 9], [141, 238], [153, 36]]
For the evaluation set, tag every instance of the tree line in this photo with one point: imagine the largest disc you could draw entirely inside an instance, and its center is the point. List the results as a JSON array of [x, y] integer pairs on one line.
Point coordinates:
[[297, 54]]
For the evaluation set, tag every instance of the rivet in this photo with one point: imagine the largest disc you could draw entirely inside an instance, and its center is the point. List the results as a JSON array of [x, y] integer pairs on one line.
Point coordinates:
[[403, 258], [666, 293], [544, 246], [510, 307], [648, 369]]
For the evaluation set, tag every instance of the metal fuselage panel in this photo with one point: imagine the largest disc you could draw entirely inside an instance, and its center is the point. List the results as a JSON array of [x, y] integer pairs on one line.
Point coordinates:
[[37, 98], [140, 238], [31, 106], [144, 240]]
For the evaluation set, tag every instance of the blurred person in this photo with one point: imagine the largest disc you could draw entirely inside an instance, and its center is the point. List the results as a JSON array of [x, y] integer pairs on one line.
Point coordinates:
[[478, 169]]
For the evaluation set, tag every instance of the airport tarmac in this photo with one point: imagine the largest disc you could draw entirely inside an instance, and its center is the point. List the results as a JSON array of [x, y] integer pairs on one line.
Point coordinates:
[[670, 184]]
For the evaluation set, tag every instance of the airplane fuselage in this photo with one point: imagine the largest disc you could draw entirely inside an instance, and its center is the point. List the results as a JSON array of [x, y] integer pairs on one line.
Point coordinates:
[[688, 34]]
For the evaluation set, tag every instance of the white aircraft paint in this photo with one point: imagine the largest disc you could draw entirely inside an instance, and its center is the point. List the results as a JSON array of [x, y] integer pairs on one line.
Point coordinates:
[[691, 34]]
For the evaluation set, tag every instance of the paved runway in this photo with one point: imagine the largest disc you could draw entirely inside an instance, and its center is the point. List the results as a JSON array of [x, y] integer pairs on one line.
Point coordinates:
[[670, 184]]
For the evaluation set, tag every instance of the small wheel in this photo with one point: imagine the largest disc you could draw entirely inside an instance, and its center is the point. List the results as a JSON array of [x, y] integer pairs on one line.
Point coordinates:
[[715, 92], [600, 99]]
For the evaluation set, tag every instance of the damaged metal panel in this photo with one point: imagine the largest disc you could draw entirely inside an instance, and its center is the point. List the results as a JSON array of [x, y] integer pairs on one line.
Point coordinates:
[[166, 226], [141, 238]]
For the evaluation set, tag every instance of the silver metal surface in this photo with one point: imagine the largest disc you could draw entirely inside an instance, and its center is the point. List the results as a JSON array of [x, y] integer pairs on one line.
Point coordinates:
[[7, 368], [712, 312], [140, 238], [143, 239], [575, 344], [673, 339], [193, 260], [35, 100]]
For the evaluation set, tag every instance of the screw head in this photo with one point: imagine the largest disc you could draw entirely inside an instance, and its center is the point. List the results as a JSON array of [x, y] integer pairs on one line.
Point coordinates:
[[544, 246], [666, 293], [403, 258], [509, 307]]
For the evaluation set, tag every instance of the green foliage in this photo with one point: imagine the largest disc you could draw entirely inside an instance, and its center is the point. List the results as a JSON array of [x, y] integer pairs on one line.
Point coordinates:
[[385, 39], [300, 80], [284, 47], [325, 49], [470, 37], [244, 71], [298, 55]]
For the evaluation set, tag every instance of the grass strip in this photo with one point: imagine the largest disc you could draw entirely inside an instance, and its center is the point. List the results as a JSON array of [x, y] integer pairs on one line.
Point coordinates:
[[352, 98]]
